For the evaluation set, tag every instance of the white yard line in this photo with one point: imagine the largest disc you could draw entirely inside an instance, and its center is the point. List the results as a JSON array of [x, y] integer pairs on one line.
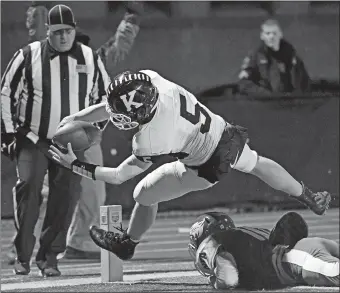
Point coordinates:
[[66, 269], [96, 280], [92, 267]]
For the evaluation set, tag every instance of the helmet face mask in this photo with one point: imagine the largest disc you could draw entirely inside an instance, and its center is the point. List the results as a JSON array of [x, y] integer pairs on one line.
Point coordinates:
[[123, 122], [206, 225], [132, 100], [196, 230]]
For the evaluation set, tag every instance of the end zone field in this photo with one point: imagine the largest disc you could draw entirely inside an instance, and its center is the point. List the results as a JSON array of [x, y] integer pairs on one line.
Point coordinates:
[[161, 262]]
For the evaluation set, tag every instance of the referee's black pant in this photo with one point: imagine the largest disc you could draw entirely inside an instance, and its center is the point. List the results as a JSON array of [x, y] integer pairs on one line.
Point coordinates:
[[64, 190]]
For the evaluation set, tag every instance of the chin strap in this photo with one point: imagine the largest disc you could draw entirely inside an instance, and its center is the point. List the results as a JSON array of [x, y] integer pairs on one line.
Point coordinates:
[[84, 169]]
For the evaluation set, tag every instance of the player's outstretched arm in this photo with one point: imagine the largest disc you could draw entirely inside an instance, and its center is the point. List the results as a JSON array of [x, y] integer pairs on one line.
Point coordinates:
[[92, 114], [95, 113], [128, 169]]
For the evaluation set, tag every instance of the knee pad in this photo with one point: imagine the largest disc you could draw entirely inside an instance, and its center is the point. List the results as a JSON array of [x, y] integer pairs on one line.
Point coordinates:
[[247, 161]]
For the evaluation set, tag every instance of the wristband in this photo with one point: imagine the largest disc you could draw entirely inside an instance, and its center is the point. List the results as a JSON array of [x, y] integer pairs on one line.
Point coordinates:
[[84, 169]]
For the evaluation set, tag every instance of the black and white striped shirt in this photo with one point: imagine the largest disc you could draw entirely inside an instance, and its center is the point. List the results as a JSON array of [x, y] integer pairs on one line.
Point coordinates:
[[41, 86]]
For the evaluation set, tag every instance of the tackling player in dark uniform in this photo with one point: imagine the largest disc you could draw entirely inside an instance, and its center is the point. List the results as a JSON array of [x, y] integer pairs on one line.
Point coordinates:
[[255, 258]]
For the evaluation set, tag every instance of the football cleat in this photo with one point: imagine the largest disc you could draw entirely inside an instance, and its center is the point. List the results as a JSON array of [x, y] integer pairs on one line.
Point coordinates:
[[318, 202], [118, 243], [289, 230]]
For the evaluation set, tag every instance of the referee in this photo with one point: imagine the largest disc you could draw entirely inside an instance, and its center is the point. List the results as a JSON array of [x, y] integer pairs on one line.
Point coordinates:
[[44, 82]]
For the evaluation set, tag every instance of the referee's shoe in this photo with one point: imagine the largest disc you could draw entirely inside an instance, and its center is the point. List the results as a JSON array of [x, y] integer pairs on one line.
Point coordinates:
[[21, 268]]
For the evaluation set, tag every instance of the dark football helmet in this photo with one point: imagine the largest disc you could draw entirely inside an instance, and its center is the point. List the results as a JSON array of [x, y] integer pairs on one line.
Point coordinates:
[[131, 100], [206, 225]]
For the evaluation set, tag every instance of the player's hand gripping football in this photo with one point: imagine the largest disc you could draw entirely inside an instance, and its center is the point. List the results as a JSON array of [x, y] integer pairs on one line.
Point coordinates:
[[64, 159]]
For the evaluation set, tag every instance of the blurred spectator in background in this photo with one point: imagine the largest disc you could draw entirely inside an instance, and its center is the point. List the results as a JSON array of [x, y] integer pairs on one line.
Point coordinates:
[[274, 66], [79, 244]]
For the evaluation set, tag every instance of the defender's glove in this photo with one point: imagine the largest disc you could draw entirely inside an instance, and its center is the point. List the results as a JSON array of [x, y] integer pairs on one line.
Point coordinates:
[[8, 145], [225, 273], [206, 256]]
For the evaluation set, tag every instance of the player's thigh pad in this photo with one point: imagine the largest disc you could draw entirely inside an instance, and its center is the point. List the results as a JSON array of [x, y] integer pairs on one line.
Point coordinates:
[[169, 181], [318, 266], [246, 161]]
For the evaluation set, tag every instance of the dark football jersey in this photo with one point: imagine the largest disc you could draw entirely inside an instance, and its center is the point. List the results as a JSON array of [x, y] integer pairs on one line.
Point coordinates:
[[253, 255]]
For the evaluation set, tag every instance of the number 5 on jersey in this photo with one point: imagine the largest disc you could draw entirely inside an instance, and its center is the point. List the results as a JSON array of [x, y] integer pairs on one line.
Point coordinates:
[[195, 118]]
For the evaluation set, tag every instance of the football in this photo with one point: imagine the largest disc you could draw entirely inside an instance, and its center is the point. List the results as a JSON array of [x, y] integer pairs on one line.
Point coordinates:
[[80, 134]]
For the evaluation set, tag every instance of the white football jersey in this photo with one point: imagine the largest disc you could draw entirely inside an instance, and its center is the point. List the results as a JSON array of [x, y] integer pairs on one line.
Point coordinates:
[[181, 126]]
